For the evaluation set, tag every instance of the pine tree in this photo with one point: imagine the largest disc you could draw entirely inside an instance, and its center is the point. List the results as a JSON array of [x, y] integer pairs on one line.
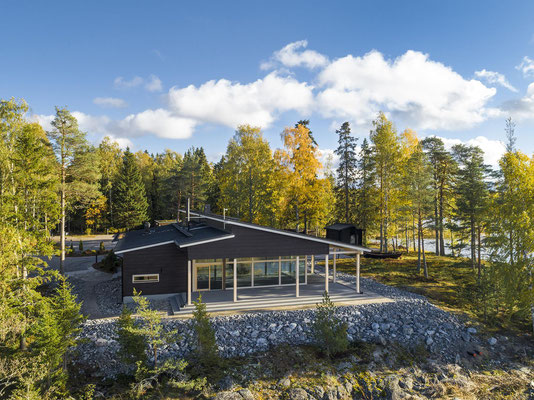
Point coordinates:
[[110, 158], [366, 189], [330, 331], [472, 196], [130, 199], [207, 351], [444, 167], [419, 181], [346, 171], [67, 139]]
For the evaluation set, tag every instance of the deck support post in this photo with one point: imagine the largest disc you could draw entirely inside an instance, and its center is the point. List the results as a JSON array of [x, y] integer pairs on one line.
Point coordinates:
[[313, 264], [189, 271], [297, 294], [235, 280], [334, 271], [326, 273], [358, 273]]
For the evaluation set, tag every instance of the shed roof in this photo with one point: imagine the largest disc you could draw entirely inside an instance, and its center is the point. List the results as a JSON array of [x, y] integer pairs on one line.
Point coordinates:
[[339, 226]]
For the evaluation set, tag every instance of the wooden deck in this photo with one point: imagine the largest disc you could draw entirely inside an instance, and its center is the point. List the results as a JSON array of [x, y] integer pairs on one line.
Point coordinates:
[[281, 297]]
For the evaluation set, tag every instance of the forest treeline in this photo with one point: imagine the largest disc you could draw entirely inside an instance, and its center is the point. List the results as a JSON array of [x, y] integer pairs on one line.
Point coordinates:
[[397, 187]]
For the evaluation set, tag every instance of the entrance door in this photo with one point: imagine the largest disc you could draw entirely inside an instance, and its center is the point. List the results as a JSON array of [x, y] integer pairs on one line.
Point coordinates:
[[203, 278]]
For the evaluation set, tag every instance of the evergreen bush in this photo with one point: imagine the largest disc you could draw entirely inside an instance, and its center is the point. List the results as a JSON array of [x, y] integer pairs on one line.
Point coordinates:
[[207, 351], [102, 247], [80, 246], [329, 331], [132, 343]]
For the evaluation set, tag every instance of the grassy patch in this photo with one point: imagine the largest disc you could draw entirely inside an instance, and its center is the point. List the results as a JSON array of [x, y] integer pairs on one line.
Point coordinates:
[[452, 283]]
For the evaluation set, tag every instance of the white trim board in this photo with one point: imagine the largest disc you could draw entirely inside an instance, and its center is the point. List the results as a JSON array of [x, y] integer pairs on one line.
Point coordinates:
[[206, 241], [286, 233], [144, 247]]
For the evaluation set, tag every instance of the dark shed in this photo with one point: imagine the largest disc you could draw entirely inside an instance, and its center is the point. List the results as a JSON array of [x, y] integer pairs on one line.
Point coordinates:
[[346, 233]]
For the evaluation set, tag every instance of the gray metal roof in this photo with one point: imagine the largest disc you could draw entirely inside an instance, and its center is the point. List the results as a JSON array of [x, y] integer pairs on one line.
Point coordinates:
[[167, 234], [339, 226]]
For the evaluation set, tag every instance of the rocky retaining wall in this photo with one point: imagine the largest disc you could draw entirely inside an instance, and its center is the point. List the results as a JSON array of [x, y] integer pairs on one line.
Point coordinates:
[[410, 321]]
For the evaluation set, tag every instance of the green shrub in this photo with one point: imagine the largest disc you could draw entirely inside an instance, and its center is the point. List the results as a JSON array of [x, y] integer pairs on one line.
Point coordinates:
[[132, 344], [80, 246], [329, 331], [111, 262], [207, 351], [102, 247]]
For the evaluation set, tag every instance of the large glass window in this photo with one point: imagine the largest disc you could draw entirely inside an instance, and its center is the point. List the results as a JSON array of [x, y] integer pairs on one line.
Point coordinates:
[[288, 272], [244, 274], [265, 273]]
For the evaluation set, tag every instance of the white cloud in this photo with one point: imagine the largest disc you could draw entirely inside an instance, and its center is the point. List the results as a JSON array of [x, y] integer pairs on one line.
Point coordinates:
[[423, 93], [522, 108], [495, 78], [526, 66], [122, 142], [154, 84], [292, 55], [493, 149], [120, 82], [232, 103], [112, 102], [159, 122]]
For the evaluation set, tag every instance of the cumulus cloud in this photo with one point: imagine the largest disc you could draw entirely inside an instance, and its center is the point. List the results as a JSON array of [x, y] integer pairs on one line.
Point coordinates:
[[159, 122], [495, 78], [522, 108], [526, 66], [154, 84], [232, 103], [493, 149], [294, 55], [111, 102], [423, 93], [122, 83]]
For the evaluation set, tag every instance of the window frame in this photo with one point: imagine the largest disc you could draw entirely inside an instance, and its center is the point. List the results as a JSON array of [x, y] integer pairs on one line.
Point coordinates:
[[145, 280]]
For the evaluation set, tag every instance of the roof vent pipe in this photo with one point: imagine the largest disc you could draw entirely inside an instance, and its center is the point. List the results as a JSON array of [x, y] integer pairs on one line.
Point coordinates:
[[188, 211]]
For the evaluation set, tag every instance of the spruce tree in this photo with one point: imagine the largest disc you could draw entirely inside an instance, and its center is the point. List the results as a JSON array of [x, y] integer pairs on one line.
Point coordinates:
[[130, 200], [346, 171]]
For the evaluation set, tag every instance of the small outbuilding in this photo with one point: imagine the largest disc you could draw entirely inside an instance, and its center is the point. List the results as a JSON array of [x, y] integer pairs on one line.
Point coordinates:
[[346, 233]]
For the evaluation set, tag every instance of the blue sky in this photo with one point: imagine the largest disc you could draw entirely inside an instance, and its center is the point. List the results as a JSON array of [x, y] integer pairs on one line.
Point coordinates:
[[159, 75]]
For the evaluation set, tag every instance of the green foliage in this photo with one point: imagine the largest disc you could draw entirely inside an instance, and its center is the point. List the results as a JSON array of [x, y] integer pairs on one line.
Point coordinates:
[[80, 246], [130, 197], [111, 262], [329, 331], [102, 248], [132, 342], [346, 171], [207, 352]]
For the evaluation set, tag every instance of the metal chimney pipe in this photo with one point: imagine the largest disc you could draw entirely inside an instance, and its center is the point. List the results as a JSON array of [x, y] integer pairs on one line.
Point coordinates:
[[188, 210]]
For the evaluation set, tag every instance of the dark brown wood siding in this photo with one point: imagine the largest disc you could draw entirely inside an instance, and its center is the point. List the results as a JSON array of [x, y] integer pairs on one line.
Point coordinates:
[[250, 242], [167, 260]]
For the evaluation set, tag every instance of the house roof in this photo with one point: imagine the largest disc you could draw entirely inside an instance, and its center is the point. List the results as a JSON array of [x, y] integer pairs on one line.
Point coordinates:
[[233, 221], [167, 234]]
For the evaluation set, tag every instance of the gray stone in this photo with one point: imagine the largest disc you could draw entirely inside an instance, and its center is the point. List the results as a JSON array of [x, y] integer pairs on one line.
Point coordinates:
[[429, 341], [375, 326], [284, 382], [228, 396], [246, 394], [492, 341], [298, 394], [471, 330], [262, 342]]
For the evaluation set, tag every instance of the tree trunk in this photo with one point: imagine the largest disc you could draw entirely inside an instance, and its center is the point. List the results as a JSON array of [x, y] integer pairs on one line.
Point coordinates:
[[425, 266], [479, 252], [62, 233], [418, 246], [436, 224], [413, 233], [441, 233], [473, 244]]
